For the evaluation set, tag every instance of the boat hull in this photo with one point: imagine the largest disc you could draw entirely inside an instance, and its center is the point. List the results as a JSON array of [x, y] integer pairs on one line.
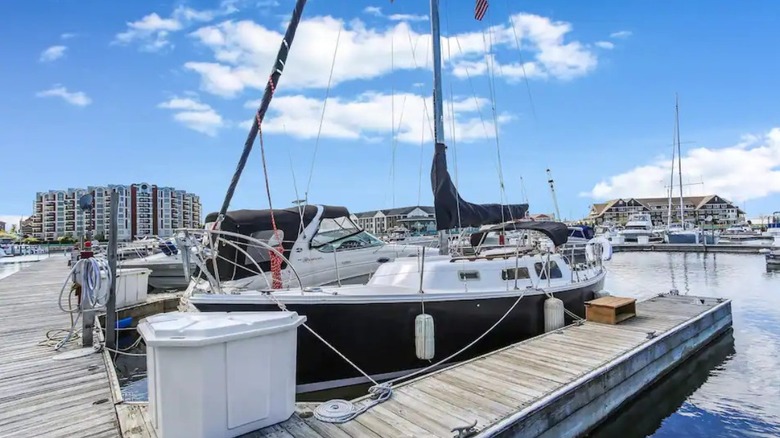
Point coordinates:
[[379, 337]]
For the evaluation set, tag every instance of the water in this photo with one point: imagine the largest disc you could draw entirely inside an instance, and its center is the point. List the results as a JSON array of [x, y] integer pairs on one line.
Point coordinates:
[[731, 388], [9, 265]]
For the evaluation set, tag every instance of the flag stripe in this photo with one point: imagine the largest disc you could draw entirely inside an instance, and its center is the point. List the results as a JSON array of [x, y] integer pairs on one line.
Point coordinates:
[[480, 9]]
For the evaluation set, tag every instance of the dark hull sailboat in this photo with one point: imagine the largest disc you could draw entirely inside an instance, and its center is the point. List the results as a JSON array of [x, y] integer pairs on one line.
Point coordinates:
[[489, 300], [379, 337]]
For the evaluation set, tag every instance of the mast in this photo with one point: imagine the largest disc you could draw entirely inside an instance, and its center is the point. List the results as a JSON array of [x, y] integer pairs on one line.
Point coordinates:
[[273, 81], [671, 179], [552, 191], [679, 158], [438, 106]]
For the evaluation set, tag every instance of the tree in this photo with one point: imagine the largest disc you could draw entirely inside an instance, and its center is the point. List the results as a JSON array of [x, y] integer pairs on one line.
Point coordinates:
[[13, 228]]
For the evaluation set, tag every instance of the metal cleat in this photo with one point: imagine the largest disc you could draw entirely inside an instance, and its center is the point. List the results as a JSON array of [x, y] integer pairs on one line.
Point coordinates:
[[465, 431]]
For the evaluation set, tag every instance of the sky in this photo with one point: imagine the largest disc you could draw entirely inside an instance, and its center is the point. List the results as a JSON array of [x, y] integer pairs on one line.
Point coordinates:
[[96, 93]]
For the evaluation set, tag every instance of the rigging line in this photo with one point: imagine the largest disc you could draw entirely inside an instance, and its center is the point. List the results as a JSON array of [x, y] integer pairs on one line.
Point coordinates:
[[473, 92], [276, 262], [295, 183], [392, 119], [322, 116], [422, 133], [490, 62], [414, 61], [522, 67]]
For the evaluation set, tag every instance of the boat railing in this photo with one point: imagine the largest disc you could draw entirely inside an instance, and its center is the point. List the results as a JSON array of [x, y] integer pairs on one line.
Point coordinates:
[[201, 247]]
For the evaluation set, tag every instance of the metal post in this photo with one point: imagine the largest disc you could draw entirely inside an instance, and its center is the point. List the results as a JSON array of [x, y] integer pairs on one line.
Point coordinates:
[[112, 250]]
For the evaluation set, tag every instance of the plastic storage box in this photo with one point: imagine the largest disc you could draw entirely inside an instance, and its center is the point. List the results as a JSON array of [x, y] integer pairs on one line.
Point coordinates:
[[131, 286], [220, 374]]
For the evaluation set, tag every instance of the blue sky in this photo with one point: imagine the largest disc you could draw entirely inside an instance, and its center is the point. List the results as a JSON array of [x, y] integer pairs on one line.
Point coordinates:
[[96, 93]]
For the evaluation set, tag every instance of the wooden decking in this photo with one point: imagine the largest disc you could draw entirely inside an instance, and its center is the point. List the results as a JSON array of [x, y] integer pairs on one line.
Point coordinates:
[[40, 396], [559, 384]]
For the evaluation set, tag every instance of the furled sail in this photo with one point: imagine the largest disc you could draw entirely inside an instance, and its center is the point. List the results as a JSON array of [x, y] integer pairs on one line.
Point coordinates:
[[452, 211]]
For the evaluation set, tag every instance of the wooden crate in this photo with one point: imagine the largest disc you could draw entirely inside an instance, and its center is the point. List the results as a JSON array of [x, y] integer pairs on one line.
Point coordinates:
[[610, 310]]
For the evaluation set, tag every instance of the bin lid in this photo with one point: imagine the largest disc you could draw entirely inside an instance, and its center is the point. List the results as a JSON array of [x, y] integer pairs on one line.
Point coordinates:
[[190, 329], [131, 271]]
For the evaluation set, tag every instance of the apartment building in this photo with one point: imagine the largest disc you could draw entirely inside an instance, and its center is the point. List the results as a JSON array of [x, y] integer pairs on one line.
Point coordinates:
[[697, 209], [416, 218], [144, 210]]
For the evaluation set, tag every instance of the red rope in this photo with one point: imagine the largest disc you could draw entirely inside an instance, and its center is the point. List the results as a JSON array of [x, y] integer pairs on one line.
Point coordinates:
[[276, 260]]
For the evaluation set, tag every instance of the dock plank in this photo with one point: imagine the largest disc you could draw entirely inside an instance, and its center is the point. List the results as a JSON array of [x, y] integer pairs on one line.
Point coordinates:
[[40, 396]]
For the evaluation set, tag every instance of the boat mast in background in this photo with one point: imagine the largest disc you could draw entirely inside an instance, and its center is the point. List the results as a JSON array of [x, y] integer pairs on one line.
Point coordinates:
[[679, 157], [554, 198]]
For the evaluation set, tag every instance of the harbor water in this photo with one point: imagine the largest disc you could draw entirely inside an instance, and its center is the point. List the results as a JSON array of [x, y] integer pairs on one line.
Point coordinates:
[[729, 389], [9, 265]]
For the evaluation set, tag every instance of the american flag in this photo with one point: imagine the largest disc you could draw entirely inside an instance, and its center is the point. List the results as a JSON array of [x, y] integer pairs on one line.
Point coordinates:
[[480, 9]]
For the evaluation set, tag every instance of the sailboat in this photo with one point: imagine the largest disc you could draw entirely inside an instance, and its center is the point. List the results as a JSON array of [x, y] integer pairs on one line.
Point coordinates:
[[682, 231], [490, 300]]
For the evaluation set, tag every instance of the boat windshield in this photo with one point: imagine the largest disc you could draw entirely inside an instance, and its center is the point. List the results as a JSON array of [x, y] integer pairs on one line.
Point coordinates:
[[342, 234], [636, 227]]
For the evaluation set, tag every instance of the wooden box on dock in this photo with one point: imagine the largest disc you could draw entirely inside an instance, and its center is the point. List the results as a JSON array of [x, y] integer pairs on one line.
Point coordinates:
[[610, 310]]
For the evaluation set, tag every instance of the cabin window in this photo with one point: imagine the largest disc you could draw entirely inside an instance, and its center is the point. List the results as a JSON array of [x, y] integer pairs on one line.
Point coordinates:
[[468, 275], [339, 234], [515, 274], [541, 270], [259, 253]]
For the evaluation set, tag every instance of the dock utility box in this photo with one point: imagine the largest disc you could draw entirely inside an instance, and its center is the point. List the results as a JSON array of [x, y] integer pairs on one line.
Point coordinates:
[[220, 374], [610, 310]]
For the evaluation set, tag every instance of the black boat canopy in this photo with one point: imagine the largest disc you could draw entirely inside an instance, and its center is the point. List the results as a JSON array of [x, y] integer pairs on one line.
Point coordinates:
[[453, 212], [557, 232]]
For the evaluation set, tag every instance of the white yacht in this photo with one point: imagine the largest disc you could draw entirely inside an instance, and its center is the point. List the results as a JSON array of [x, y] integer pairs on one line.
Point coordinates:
[[639, 225]]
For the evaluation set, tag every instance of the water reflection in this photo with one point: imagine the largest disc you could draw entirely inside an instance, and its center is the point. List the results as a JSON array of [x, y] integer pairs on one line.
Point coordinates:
[[739, 397], [643, 416]]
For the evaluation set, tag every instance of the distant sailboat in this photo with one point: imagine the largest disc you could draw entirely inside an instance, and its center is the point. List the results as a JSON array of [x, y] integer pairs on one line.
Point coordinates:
[[682, 231]]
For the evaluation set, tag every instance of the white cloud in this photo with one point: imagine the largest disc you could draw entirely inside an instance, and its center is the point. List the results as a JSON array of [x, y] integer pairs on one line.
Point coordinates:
[[194, 115], [78, 98], [67, 35], [369, 116], [153, 31], [243, 51], [748, 170], [604, 45], [10, 219], [621, 34], [407, 17], [52, 53], [373, 10]]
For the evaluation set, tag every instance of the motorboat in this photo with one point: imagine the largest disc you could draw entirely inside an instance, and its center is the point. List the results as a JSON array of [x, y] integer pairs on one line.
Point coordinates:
[[322, 243], [167, 266], [639, 226], [688, 233]]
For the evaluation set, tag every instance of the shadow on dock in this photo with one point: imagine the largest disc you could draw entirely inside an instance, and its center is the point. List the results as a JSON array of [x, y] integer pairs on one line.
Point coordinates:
[[643, 416]]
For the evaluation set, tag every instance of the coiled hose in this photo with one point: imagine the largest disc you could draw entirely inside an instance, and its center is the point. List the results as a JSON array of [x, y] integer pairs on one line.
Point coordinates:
[[95, 290]]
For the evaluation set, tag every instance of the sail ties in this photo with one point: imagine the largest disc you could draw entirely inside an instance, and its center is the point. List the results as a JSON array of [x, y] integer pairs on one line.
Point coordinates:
[[276, 260]]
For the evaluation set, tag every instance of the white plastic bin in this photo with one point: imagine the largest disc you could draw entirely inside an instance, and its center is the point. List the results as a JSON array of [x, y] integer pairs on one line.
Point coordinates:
[[131, 286], [220, 374], [643, 239]]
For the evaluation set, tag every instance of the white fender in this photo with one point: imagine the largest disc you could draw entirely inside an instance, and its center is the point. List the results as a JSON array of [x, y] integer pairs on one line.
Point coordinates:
[[605, 249]]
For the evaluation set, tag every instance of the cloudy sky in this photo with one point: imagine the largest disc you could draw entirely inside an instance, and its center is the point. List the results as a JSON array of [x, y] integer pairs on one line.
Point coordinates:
[[98, 93]]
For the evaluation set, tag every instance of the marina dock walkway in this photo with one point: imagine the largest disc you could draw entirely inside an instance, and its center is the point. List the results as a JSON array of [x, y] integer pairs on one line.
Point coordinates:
[[40, 396], [559, 384]]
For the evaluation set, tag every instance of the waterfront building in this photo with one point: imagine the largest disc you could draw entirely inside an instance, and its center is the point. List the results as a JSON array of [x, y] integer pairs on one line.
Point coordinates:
[[144, 210], [697, 209], [415, 218]]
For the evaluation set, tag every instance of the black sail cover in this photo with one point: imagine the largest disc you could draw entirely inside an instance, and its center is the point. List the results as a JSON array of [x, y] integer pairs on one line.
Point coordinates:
[[452, 211]]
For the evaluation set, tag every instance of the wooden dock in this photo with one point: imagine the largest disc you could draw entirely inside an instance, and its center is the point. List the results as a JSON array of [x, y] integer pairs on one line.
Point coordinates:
[[733, 248], [40, 396], [560, 384]]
